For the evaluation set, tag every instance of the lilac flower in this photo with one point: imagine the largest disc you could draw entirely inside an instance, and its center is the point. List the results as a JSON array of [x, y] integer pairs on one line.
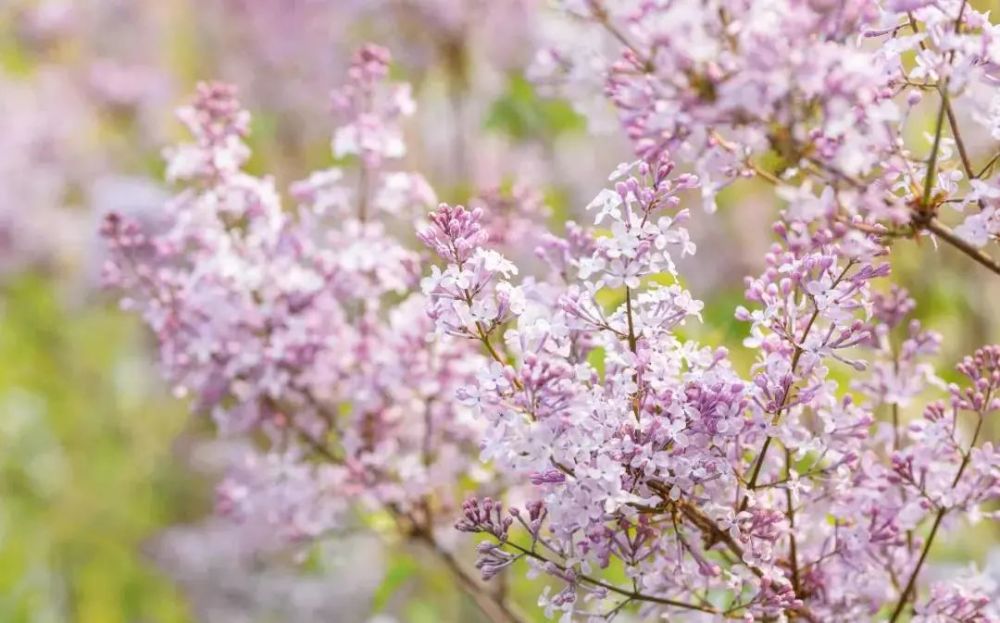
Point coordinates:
[[832, 97], [776, 491], [646, 470], [301, 331]]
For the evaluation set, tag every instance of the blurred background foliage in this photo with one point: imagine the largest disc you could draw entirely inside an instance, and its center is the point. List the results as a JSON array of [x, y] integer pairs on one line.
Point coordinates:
[[95, 454], [86, 472]]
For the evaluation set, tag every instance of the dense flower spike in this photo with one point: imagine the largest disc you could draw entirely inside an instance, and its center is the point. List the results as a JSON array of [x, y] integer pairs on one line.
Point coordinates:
[[302, 328], [772, 497], [830, 101], [370, 109]]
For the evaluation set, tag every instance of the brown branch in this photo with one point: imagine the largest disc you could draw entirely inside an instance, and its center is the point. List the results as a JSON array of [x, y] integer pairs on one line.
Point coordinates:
[[635, 595], [494, 608], [987, 166], [962, 152], [633, 345], [945, 233]]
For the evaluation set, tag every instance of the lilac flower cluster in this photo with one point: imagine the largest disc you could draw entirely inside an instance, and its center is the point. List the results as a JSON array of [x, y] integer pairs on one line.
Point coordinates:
[[631, 466], [784, 494], [74, 126], [302, 328], [826, 90]]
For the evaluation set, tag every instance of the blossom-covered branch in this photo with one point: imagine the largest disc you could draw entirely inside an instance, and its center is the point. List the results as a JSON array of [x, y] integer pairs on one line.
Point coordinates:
[[555, 376], [302, 328], [646, 451], [829, 102]]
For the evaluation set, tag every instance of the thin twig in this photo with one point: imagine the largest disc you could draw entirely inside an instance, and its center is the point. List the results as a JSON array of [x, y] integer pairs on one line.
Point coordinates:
[[962, 152], [637, 596], [987, 166], [604, 19], [793, 556], [932, 160], [767, 176], [494, 609], [911, 583], [945, 233]]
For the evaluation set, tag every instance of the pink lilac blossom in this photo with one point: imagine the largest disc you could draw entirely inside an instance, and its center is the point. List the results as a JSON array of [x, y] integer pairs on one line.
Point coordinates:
[[303, 328], [761, 497], [824, 89], [648, 472]]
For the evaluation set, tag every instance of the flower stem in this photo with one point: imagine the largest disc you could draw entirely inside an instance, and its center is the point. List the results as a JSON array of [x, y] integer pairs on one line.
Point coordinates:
[[635, 595], [925, 203], [944, 232], [494, 608], [911, 583]]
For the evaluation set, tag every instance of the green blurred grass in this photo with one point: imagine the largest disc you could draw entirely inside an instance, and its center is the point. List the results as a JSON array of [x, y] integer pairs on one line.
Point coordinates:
[[85, 467]]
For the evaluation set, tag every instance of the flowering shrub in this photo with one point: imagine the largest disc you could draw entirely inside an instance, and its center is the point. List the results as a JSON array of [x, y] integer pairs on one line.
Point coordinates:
[[776, 495], [628, 466], [303, 328], [828, 89]]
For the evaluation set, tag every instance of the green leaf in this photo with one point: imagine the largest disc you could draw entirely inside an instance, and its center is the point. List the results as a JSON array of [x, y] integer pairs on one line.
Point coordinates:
[[402, 569], [522, 115]]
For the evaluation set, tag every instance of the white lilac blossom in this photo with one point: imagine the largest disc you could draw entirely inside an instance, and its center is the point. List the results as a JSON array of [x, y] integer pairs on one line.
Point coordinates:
[[302, 329], [662, 479], [827, 91]]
